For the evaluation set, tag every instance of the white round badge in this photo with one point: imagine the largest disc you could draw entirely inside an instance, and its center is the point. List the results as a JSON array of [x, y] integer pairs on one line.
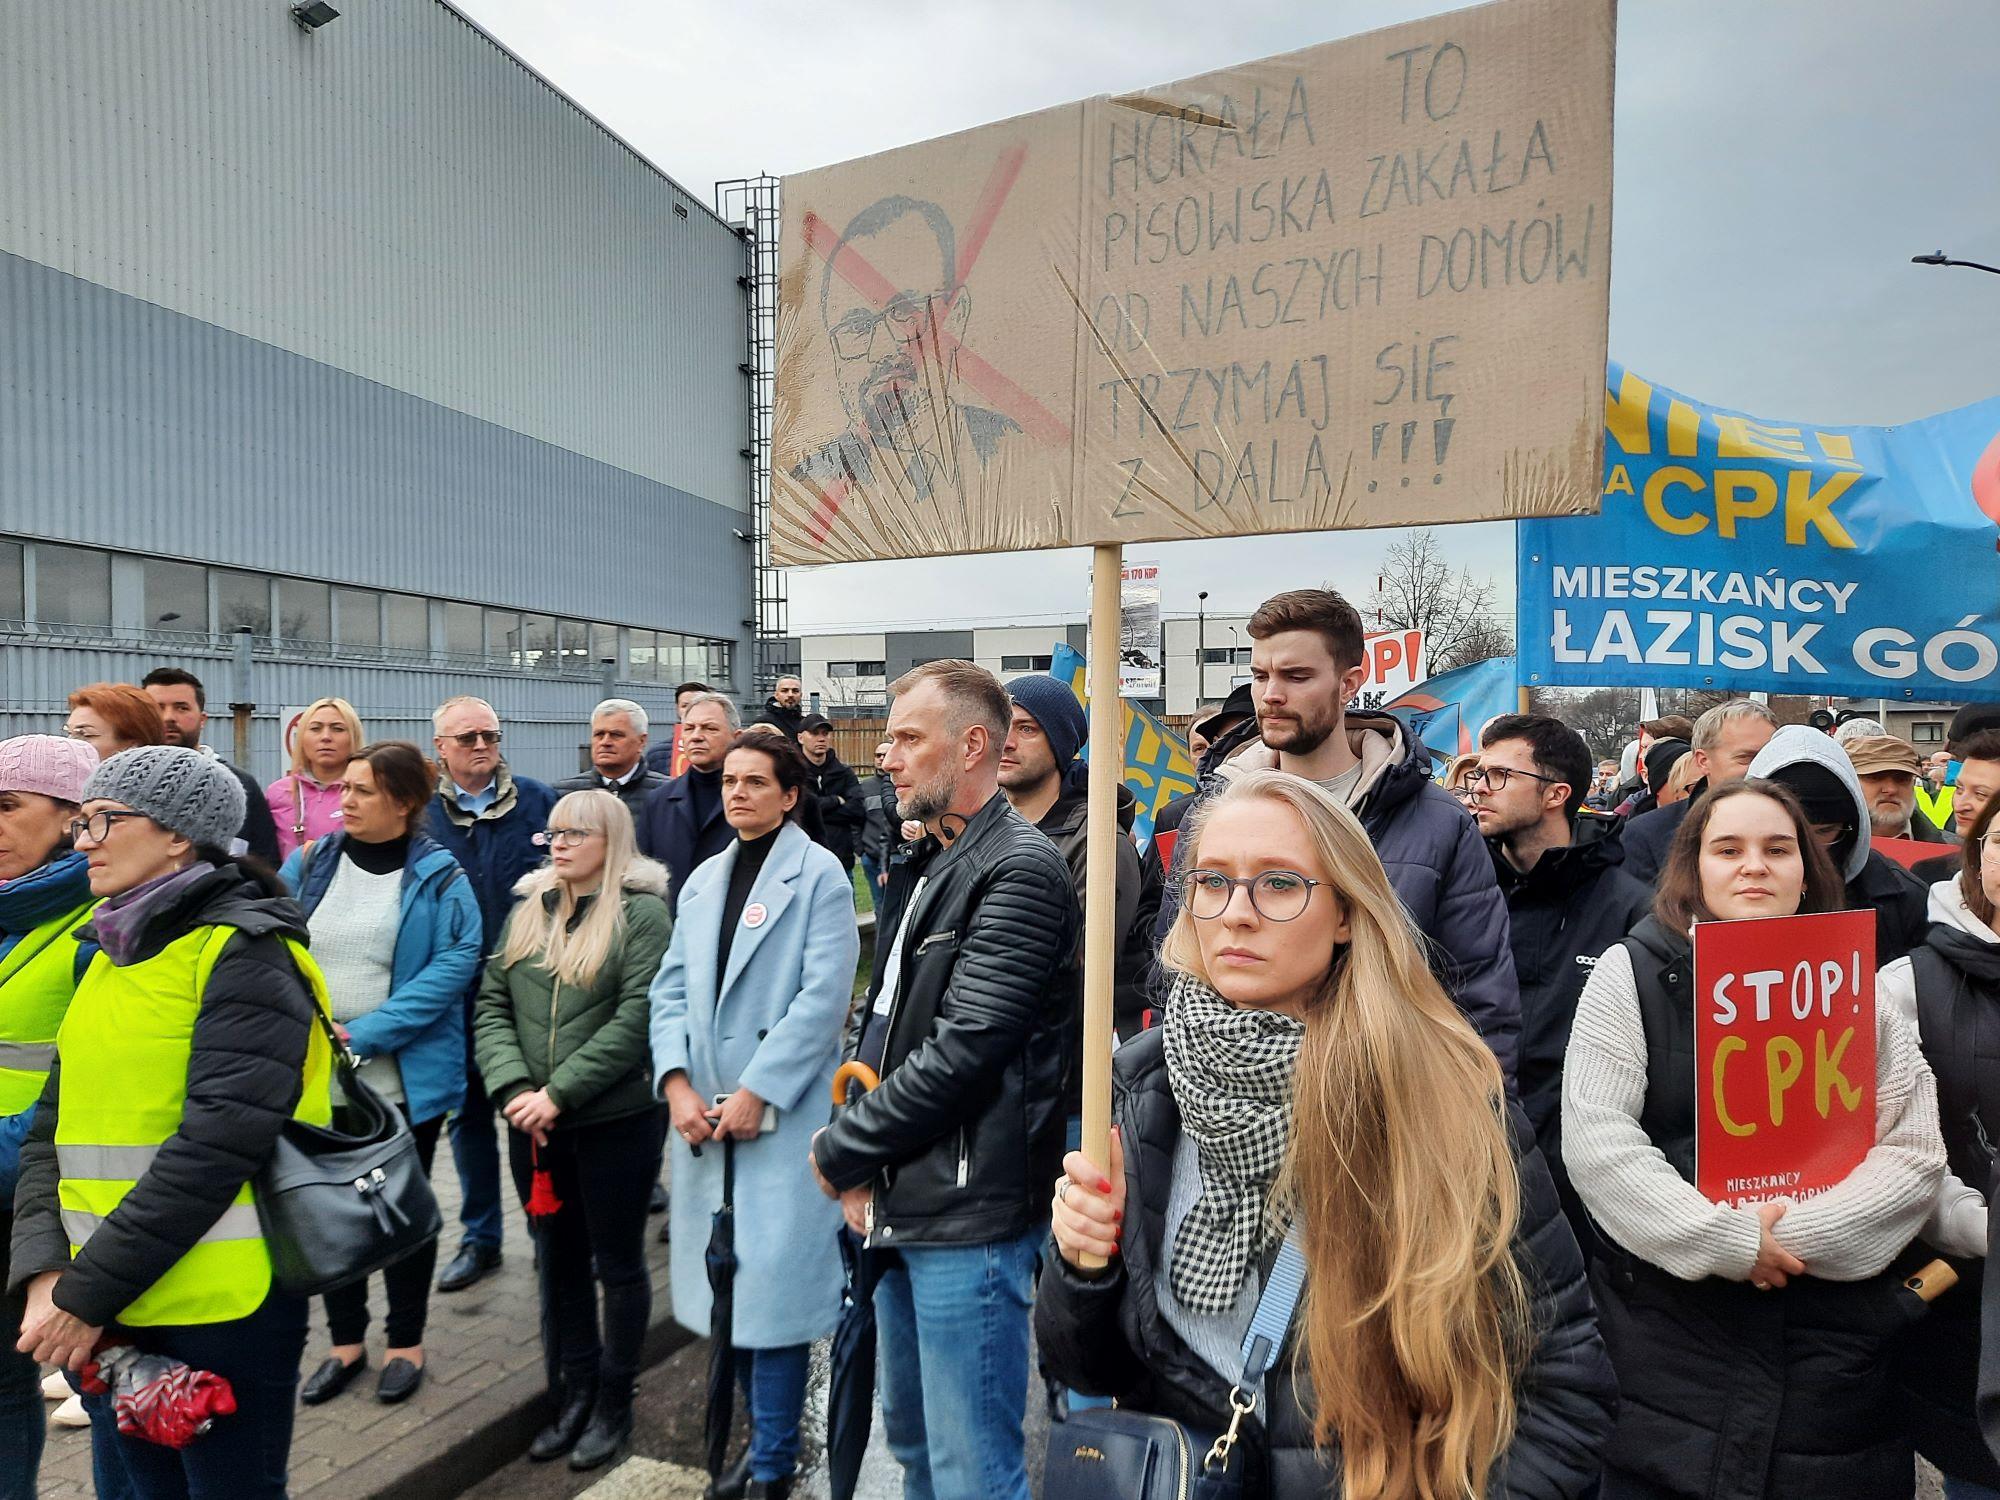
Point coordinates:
[[754, 914]]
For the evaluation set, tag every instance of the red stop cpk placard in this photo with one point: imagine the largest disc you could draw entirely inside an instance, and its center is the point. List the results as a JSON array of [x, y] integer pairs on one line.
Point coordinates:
[[1784, 1040]]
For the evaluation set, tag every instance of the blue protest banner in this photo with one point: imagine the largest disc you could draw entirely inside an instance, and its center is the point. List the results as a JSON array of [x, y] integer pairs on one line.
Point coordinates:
[[1157, 767], [1789, 557], [1446, 712]]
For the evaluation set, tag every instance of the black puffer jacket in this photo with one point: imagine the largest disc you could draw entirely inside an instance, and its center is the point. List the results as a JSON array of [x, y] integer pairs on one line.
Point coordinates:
[[1108, 1337], [964, 1135], [243, 1081], [836, 793], [1434, 858]]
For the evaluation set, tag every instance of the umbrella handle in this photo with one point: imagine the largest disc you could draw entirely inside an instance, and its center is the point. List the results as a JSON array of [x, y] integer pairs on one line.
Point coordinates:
[[1932, 1281], [849, 1073]]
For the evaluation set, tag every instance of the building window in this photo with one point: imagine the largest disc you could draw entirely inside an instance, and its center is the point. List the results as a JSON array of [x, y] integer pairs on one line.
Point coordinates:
[[176, 596], [856, 669], [538, 643], [305, 611], [603, 644], [1026, 663], [360, 619], [640, 663], [13, 586], [1927, 734], [72, 586], [678, 657], [503, 637], [721, 663], [406, 623], [465, 630], [1217, 656], [242, 602]]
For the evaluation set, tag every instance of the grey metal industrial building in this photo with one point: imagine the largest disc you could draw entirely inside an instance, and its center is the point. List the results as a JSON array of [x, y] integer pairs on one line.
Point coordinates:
[[369, 339]]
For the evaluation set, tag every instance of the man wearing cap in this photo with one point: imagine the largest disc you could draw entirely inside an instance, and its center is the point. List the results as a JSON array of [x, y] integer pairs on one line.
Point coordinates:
[[1047, 728], [1888, 768], [835, 789], [1819, 773]]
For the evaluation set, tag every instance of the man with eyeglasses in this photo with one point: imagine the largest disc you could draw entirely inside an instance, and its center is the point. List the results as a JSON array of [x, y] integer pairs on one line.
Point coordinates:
[[1567, 901], [487, 819]]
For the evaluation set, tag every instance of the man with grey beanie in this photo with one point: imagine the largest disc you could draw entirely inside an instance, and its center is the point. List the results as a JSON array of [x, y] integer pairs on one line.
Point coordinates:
[[164, 1125]]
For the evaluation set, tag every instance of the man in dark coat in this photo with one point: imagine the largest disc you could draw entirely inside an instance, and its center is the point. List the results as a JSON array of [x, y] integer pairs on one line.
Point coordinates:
[[486, 818], [682, 824], [836, 791], [183, 705], [618, 733], [1567, 901], [785, 707], [1725, 740], [1306, 666]]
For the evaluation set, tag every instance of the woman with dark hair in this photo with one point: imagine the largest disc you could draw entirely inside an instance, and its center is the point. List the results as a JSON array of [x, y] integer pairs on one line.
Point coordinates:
[[1948, 988], [1751, 1340], [112, 717], [746, 1022], [395, 929], [190, 1041]]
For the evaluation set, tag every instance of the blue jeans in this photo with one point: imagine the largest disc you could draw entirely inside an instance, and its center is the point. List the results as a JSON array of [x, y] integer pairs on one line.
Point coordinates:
[[245, 1456], [1968, 1489], [874, 873], [952, 1331], [475, 1151], [774, 1385], [23, 1422]]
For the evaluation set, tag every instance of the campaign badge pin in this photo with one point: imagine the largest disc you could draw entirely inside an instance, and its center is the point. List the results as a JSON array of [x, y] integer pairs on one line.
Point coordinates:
[[754, 914]]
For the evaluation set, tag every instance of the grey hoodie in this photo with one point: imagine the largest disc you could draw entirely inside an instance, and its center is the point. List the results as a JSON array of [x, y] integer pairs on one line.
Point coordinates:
[[1795, 744]]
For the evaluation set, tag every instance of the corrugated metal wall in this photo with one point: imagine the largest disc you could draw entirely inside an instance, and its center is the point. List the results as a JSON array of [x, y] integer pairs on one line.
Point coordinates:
[[545, 719], [393, 196]]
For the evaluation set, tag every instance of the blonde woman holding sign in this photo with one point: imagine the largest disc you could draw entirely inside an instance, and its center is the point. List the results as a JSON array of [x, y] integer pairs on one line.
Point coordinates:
[[1750, 1341]]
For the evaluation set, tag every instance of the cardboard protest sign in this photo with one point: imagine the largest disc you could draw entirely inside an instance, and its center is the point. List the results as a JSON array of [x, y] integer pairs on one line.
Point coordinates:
[[1363, 284], [1141, 649], [1749, 554], [1909, 852], [1784, 1041]]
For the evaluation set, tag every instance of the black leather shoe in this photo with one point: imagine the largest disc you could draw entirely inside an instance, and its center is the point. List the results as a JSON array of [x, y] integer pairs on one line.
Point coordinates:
[[399, 1382], [770, 1489], [472, 1262], [556, 1439], [329, 1380], [731, 1482], [609, 1431], [657, 1204]]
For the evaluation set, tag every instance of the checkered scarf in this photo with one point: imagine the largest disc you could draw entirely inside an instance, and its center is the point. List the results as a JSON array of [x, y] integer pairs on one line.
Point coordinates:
[[1231, 1073]]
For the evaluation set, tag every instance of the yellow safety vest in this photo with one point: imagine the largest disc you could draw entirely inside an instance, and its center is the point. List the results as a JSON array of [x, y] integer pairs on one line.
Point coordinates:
[[37, 978], [125, 1047], [1936, 808]]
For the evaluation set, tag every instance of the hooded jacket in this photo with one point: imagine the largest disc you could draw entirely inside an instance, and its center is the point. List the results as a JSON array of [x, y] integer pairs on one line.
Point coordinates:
[[786, 718], [244, 1074], [843, 812], [1138, 905], [1432, 852], [1874, 882]]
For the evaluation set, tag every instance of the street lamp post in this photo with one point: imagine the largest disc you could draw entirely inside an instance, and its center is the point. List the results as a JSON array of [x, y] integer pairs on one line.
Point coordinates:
[[1939, 258], [1200, 649]]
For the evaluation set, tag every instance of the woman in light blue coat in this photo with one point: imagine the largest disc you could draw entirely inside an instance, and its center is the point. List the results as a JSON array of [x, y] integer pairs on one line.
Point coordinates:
[[748, 1008]]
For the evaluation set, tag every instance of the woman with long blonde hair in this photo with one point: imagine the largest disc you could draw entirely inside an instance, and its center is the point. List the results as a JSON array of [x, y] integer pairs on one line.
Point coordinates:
[[305, 801], [1312, 1075], [559, 1034]]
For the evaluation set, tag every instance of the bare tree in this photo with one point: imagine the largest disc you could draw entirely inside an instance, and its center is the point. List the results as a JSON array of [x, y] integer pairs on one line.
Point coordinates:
[[1417, 590]]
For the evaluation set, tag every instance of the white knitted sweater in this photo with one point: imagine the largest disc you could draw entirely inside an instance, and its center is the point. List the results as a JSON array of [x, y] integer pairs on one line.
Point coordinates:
[[1847, 1233]]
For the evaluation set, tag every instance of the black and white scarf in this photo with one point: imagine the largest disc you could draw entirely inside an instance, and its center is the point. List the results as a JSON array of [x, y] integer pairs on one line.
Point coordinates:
[[1231, 1072]]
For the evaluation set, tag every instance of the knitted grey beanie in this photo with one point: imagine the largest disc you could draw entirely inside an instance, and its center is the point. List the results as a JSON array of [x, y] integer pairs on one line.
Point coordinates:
[[182, 790]]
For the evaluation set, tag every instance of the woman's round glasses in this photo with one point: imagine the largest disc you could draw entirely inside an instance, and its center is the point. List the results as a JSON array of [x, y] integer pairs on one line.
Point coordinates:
[[567, 838], [1277, 895]]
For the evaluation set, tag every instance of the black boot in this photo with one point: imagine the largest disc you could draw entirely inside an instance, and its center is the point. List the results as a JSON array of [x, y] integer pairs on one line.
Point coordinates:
[[731, 1482], [556, 1439], [609, 1431], [770, 1489]]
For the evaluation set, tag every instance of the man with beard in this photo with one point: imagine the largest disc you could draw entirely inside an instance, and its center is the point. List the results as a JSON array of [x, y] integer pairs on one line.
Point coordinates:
[[1888, 768], [784, 710], [1305, 667], [183, 705]]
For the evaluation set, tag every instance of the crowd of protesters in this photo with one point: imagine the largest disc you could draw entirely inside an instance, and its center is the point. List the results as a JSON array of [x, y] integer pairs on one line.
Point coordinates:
[[1424, 1023]]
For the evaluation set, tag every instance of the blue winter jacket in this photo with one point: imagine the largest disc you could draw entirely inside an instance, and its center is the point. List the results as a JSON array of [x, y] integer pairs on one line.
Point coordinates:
[[494, 849], [438, 954], [37, 897]]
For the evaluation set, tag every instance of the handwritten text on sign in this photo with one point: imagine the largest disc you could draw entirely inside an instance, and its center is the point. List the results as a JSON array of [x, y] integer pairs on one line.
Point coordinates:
[[1784, 1040]]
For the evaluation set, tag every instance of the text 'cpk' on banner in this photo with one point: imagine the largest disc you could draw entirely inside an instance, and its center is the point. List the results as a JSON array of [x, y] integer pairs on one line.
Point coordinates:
[[1793, 557]]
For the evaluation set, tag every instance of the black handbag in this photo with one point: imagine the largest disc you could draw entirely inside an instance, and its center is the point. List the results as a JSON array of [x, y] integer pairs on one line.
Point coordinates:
[[1110, 1453], [341, 1200]]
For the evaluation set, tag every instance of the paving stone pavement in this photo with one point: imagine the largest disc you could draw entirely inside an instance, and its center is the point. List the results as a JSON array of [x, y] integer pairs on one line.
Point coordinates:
[[483, 1356]]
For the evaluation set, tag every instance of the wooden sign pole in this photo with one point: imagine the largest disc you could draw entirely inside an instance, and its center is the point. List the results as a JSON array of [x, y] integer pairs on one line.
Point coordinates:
[[1107, 770]]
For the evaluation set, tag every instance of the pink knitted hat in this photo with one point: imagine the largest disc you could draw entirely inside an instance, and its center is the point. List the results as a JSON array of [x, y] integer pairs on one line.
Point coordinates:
[[46, 763]]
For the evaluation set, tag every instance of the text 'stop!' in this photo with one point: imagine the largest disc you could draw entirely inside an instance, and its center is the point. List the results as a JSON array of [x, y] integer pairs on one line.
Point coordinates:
[[1365, 284]]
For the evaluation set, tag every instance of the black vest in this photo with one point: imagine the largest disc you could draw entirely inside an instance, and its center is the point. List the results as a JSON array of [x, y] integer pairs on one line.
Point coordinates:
[[1663, 965], [1958, 1018]]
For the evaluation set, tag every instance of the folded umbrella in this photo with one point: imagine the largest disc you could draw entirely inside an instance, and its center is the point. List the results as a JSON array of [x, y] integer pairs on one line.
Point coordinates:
[[850, 1395], [158, 1399], [721, 1262]]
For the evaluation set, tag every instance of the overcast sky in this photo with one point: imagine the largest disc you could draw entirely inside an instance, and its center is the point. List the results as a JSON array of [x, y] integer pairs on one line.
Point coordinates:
[[1777, 164]]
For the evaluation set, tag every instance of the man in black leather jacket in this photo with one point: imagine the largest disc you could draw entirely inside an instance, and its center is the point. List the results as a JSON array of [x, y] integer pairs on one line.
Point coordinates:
[[945, 1167]]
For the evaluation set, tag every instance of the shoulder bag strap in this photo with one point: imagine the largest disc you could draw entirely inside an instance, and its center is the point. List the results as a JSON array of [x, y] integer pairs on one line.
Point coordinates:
[[1277, 1305], [298, 807]]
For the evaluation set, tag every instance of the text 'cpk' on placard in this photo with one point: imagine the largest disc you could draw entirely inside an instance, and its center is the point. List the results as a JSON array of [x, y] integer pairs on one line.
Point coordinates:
[[1363, 284], [1784, 1043]]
